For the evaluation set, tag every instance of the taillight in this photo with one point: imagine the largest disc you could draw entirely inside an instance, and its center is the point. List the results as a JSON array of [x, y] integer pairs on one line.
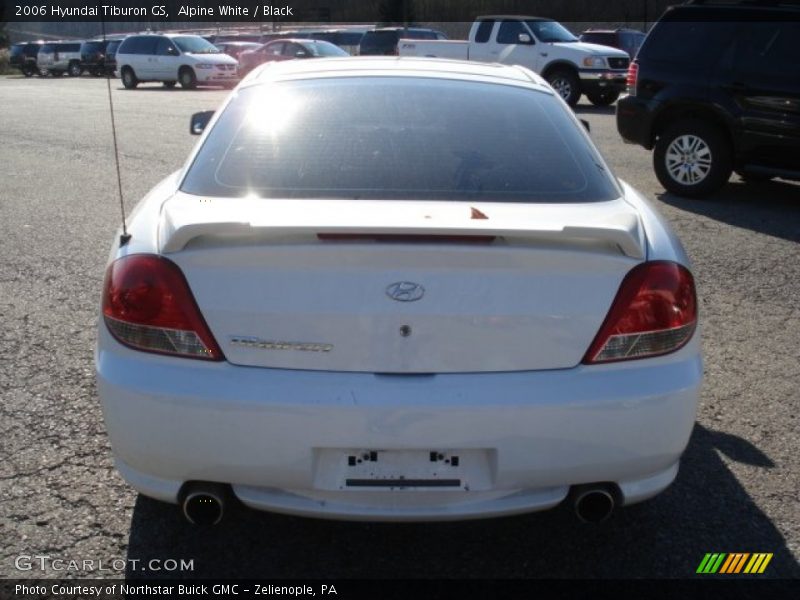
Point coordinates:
[[633, 75], [147, 305], [654, 312]]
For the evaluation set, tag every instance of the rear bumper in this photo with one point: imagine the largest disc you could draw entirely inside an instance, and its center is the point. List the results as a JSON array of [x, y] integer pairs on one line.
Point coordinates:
[[263, 431], [635, 121]]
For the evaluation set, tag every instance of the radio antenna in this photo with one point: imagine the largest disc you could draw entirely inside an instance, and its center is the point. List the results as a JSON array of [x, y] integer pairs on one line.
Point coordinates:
[[125, 237]]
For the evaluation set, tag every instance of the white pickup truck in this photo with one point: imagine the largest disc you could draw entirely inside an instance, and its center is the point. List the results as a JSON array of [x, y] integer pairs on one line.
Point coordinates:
[[542, 45]]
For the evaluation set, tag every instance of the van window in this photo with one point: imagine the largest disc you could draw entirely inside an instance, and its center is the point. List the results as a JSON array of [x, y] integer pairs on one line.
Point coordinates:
[[163, 48]]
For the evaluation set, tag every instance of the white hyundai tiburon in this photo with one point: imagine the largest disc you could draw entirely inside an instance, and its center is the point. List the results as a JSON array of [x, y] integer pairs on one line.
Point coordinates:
[[397, 289]]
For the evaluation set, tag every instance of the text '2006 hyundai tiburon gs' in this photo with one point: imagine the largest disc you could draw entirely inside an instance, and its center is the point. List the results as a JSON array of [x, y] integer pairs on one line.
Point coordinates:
[[397, 289]]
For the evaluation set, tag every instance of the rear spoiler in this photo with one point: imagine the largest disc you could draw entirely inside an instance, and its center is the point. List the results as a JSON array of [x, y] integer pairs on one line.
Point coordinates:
[[185, 217]]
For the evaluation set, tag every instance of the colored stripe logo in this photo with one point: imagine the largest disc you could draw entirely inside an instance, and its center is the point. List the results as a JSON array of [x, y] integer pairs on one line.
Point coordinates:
[[734, 563]]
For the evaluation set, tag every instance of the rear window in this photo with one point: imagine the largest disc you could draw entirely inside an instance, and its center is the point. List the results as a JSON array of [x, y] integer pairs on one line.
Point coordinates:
[[398, 138], [696, 37], [379, 40], [346, 38], [93, 46], [631, 41], [419, 34], [17, 50], [604, 39], [320, 48], [32, 49]]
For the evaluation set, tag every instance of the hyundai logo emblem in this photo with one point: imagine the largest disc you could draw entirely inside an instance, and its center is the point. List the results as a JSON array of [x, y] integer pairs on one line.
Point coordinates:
[[405, 291]]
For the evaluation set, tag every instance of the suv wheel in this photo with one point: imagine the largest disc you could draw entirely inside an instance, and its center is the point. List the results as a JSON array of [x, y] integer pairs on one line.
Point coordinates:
[[28, 71], [692, 158], [187, 78], [603, 97], [75, 69], [129, 78], [566, 85]]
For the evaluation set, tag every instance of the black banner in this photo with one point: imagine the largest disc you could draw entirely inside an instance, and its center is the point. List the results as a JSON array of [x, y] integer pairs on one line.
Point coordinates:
[[731, 588], [321, 11]]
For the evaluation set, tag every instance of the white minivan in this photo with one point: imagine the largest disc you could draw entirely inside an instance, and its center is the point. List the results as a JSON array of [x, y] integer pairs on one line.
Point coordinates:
[[172, 58]]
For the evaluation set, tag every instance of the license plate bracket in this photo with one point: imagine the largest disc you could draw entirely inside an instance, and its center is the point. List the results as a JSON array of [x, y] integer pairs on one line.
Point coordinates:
[[402, 470]]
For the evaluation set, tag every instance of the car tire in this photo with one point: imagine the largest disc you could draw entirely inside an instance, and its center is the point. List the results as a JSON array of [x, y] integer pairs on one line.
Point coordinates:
[[169, 84], [692, 158], [28, 71], [603, 97], [75, 69], [129, 78], [566, 84], [187, 78]]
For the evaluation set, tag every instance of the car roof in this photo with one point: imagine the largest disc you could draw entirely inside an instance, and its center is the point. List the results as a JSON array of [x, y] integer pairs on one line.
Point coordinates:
[[381, 66], [618, 30], [699, 7], [295, 40], [400, 29], [512, 18]]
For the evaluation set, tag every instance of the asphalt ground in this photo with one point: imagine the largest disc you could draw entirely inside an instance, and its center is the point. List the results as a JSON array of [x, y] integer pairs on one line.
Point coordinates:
[[737, 490]]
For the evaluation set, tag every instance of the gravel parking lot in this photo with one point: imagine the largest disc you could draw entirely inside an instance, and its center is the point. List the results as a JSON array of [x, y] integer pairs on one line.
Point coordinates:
[[737, 491]]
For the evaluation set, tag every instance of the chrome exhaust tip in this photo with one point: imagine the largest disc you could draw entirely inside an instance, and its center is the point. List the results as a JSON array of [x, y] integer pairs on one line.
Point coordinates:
[[204, 503], [594, 504]]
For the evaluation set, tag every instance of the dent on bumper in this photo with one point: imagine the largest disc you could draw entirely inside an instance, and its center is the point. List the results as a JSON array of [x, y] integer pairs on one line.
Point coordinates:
[[174, 420]]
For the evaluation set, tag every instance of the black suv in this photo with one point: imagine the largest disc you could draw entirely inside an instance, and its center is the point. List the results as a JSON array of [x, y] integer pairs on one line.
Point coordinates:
[[715, 88], [629, 40], [95, 57], [23, 57]]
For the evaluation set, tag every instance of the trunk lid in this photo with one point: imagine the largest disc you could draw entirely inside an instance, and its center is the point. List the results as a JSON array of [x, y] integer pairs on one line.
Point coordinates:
[[402, 287]]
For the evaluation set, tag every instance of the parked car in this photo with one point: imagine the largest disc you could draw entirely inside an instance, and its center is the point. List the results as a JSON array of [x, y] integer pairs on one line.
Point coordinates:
[[234, 49], [545, 46], [95, 58], [57, 58], [287, 49], [397, 289], [383, 41], [629, 40], [726, 98], [348, 39], [111, 56], [255, 37], [23, 57], [172, 58]]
